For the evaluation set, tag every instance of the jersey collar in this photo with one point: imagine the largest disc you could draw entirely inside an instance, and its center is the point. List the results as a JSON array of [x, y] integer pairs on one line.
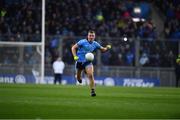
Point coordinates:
[[89, 41]]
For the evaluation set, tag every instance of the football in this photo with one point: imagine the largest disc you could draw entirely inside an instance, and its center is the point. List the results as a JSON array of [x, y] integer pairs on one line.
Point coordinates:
[[89, 56]]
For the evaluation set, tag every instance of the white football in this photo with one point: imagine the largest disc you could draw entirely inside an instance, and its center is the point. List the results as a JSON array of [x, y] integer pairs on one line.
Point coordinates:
[[89, 56]]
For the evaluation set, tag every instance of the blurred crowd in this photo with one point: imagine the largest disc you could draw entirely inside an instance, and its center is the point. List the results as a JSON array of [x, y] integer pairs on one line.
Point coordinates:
[[21, 21], [109, 18], [171, 11]]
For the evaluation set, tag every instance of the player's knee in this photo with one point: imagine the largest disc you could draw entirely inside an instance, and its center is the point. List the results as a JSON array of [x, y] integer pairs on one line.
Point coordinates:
[[90, 75]]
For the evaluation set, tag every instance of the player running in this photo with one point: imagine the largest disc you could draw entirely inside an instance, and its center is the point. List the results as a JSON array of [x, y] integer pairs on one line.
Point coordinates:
[[79, 50]]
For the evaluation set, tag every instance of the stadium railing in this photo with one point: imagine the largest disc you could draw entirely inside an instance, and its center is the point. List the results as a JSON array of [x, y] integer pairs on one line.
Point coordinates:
[[122, 61]]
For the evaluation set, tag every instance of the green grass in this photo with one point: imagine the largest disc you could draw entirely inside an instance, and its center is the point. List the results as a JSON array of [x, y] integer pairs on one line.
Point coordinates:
[[53, 101]]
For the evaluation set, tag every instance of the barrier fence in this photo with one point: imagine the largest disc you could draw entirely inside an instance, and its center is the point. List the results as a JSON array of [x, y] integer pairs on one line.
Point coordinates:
[[128, 58]]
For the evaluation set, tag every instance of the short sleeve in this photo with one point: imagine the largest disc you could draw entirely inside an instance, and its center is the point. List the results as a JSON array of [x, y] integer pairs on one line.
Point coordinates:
[[98, 46], [80, 43]]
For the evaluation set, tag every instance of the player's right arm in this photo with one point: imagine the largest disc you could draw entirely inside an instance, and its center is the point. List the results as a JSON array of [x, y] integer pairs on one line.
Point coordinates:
[[74, 50]]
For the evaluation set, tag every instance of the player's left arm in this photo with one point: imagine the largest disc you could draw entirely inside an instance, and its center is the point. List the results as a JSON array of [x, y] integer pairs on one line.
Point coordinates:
[[104, 49]]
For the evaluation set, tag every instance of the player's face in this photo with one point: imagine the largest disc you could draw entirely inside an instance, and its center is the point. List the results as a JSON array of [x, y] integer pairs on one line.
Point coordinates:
[[91, 36]]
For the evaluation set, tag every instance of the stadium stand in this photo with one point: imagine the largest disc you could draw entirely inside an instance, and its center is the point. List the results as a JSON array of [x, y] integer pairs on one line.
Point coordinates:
[[108, 18], [111, 19], [171, 11], [19, 20]]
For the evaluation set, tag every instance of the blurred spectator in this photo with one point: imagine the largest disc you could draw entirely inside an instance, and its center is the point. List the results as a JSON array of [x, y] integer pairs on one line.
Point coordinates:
[[130, 58], [171, 11], [58, 68], [177, 71], [144, 59], [53, 48]]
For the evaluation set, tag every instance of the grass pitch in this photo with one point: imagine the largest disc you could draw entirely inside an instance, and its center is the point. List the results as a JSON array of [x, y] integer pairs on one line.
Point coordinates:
[[70, 101]]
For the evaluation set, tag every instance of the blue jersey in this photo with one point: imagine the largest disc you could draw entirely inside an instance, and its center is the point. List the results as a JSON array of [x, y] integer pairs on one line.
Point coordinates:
[[84, 46]]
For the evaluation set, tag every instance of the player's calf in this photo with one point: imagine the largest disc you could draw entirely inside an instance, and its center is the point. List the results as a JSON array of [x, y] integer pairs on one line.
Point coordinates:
[[78, 79]]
